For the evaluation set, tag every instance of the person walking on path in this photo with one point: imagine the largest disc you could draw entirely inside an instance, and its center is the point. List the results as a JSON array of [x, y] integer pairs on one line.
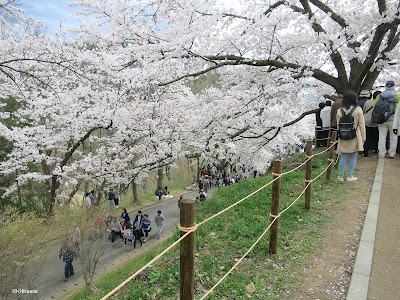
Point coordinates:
[[127, 234], [68, 256], [146, 227], [350, 147], [126, 218], [159, 220], [138, 226], [116, 229], [389, 95]]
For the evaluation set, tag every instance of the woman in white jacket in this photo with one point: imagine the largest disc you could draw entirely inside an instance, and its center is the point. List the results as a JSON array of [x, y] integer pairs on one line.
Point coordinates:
[[396, 121]]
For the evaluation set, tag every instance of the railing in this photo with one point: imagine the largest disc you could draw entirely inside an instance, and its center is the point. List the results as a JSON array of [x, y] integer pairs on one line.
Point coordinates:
[[187, 225]]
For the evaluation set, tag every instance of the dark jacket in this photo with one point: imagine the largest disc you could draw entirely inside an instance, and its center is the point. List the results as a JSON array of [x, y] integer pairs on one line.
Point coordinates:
[[67, 254], [135, 222], [126, 217]]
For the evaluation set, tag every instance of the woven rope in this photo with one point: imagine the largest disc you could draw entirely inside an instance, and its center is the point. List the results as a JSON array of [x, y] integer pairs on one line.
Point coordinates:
[[188, 229]]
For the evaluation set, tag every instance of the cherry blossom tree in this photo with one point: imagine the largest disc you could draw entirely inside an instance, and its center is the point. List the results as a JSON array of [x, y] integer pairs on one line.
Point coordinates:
[[122, 83]]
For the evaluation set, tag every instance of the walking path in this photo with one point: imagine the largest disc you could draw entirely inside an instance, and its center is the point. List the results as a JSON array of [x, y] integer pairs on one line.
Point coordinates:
[[52, 286], [376, 269]]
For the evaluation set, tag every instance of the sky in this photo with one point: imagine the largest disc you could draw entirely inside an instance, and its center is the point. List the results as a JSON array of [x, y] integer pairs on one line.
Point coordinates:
[[51, 12]]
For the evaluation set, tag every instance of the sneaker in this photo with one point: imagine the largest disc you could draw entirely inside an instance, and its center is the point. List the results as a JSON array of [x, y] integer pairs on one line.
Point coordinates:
[[351, 178], [124, 245], [392, 157], [65, 279], [341, 179], [112, 245], [141, 245], [133, 248]]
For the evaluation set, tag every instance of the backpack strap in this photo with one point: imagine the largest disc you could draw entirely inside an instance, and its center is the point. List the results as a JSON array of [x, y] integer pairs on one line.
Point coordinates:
[[350, 113]]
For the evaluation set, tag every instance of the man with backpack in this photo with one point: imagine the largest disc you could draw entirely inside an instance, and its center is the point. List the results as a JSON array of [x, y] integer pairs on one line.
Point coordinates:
[[383, 114]]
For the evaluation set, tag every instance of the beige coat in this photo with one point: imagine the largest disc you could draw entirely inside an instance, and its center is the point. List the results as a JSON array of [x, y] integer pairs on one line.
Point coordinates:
[[357, 144]]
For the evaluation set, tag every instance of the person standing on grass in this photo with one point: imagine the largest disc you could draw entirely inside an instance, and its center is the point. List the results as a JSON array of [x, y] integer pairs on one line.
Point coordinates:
[[68, 256], [88, 201], [116, 197], [159, 220], [351, 147], [111, 197]]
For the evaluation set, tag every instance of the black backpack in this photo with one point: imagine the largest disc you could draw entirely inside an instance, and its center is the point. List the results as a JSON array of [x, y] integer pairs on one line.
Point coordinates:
[[382, 111], [346, 128]]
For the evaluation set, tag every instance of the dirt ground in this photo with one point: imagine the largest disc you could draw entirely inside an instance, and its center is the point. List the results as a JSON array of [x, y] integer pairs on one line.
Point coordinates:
[[328, 275]]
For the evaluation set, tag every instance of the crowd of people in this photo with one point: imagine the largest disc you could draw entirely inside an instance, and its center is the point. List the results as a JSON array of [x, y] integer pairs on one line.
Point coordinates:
[[365, 123], [133, 231], [211, 176]]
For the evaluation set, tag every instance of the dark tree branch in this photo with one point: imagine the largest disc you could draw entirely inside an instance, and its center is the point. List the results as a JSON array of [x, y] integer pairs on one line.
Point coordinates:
[[246, 128], [68, 154], [233, 60], [326, 9], [381, 6]]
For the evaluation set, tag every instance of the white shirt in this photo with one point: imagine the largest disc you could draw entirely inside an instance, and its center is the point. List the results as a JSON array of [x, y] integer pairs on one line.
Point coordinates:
[[326, 116]]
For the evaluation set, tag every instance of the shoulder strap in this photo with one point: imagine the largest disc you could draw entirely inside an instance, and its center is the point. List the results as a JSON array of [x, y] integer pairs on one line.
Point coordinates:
[[343, 112], [352, 110], [368, 110]]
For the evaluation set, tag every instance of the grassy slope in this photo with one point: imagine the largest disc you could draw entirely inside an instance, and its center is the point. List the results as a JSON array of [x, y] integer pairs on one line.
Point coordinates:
[[220, 242]]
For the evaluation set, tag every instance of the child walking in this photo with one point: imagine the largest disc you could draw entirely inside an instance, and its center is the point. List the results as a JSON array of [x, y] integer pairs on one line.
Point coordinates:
[[146, 227], [127, 234]]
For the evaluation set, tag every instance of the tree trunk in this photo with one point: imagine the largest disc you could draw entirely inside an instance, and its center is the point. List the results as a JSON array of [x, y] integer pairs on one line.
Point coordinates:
[[135, 193], [160, 178], [168, 172], [198, 170], [100, 193], [18, 189], [73, 192]]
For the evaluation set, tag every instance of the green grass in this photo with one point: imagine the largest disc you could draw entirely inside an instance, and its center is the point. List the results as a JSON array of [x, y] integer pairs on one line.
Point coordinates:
[[220, 242]]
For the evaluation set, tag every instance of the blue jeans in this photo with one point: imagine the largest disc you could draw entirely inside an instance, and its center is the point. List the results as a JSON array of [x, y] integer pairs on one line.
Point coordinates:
[[352, 163], [69, 269]]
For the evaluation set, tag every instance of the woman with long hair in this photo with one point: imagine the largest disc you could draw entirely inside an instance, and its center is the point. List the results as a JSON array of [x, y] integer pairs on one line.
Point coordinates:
[[350, 147]]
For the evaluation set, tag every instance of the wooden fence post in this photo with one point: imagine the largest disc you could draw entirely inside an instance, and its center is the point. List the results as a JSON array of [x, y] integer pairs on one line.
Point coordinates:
[[187, 251], [331, 157], [276, 186], [328, 141], [308, 175]]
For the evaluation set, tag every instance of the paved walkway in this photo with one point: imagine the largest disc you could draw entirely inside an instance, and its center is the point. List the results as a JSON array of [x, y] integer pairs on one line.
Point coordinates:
[[376, 270], [52, 286]]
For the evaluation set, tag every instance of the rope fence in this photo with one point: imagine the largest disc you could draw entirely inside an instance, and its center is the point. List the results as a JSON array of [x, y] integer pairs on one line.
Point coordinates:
[[262, 235], [189, 230]]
